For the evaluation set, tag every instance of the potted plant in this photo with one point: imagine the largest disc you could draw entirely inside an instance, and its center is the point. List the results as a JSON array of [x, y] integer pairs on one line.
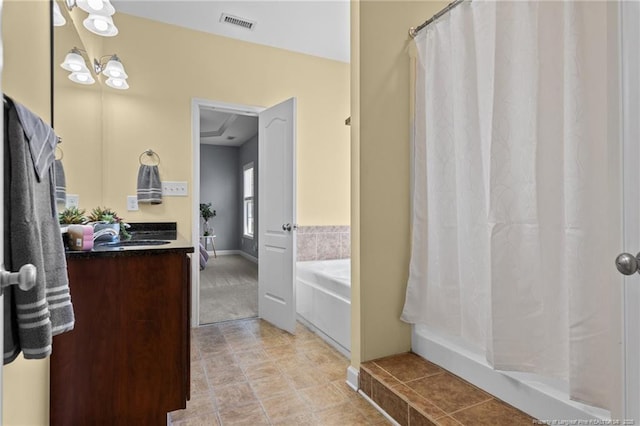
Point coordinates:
[[72, 216], [206, 212], [104, 218]]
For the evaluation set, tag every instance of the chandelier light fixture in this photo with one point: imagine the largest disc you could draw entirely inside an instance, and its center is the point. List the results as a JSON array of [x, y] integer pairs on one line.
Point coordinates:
[[113, 70], [100, 7], [109, 65], [99, 20], [78, 71], [58, 19], [101, 25]]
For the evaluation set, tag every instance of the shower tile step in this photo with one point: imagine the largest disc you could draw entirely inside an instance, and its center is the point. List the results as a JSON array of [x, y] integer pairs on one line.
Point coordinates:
[[416, 392]]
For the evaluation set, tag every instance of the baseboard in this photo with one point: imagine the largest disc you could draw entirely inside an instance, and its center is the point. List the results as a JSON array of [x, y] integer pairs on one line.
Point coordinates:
[[229, 252], [248, 256], [225, 252], [352, 377]]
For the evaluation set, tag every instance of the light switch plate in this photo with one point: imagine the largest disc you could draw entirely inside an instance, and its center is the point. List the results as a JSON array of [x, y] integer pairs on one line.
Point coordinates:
[[174, 189], [73, 200], [132, 203]]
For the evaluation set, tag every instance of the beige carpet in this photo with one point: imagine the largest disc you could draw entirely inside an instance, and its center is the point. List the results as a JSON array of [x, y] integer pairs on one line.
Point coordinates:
[[228, 289]]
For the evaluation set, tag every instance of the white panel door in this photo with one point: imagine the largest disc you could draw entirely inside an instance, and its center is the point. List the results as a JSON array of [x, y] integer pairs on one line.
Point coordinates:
[[277, 215]]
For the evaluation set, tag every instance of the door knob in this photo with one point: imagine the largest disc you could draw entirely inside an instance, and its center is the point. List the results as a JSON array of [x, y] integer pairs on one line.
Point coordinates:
[[286, 227], [627, 264], [25, 278]]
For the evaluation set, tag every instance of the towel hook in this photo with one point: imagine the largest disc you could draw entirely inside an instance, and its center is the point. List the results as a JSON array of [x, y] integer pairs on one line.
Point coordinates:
[[59, 152], [151, 153]]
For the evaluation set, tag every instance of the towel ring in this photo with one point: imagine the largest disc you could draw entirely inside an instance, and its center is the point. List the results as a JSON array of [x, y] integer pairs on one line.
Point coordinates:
[[151, 154], [60, 152]]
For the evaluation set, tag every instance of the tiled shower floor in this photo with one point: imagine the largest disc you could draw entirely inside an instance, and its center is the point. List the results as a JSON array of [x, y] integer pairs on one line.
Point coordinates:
[[250, 373], [416, 392]]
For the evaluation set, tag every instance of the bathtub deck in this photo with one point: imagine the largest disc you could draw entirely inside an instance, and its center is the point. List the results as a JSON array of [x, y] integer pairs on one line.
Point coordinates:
[[416, 392]]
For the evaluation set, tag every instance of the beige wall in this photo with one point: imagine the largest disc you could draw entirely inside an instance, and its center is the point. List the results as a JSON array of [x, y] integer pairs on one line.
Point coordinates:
[[25, 77], [167, 67], [380, 182]]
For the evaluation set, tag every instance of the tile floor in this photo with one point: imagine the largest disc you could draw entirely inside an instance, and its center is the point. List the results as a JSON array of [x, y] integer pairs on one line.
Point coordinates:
[[248, 372], [416, 392]]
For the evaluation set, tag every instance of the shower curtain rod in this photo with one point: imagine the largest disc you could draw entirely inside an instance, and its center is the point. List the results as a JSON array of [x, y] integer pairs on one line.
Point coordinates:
[[413, 31]]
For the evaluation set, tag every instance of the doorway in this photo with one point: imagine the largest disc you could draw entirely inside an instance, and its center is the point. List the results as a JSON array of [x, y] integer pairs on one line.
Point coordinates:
[[228, 193], [225, 150], [268, 212]]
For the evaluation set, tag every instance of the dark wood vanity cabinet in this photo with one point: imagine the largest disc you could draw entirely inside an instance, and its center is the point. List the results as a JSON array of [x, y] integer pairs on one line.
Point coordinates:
[[127, 360]]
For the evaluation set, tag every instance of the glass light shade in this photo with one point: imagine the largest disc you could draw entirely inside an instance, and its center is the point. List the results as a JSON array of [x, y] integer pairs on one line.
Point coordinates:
[[115, 69], [58, 18], [101, 25], [74, 62], [99, 7], [82, 77], [117, 83]]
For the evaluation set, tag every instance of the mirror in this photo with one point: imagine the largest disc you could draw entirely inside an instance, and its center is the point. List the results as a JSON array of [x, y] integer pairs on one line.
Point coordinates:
[[104, 130], [77, 117]]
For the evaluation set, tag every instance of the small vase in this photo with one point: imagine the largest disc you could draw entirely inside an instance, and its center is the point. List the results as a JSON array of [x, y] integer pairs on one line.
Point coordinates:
[[206, 228]]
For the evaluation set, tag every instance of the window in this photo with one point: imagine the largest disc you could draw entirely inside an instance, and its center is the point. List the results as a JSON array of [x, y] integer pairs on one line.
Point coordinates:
[[247, 177]]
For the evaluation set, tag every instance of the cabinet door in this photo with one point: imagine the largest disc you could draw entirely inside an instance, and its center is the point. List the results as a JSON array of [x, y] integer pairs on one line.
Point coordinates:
[[153, 327], [85, 362], [127, 359]]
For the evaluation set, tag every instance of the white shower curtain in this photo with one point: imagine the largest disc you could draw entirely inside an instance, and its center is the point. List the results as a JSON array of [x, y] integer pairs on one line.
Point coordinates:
[[511, 224]]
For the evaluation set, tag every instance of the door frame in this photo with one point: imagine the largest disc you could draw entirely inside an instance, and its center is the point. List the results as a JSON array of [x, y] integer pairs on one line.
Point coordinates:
[[196, 104], [629, 62], [2, 124]]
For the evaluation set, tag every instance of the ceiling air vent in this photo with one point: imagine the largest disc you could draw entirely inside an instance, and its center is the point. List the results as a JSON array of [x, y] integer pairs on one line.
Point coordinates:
[[234, 20]]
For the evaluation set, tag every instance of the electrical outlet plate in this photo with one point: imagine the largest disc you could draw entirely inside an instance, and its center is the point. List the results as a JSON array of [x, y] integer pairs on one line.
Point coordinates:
[[132, 203], [174, 189], [73, 200]]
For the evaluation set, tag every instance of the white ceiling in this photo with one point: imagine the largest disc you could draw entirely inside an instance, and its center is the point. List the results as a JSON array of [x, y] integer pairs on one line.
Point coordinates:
[[223, 128], [314, 27]]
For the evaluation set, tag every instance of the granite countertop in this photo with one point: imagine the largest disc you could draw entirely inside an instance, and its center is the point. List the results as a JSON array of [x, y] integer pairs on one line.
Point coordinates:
[[150, 232]]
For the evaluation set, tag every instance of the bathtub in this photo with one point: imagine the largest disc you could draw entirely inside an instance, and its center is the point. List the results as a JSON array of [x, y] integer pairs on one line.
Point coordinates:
[[323, 300], [541, 397]]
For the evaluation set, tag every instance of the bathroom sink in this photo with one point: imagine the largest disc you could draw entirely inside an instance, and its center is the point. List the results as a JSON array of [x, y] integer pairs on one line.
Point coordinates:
[[133, 243]]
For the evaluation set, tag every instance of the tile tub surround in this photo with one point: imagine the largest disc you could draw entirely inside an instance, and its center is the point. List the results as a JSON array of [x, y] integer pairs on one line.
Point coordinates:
[[248, 372], [323, 242], [416, 392]]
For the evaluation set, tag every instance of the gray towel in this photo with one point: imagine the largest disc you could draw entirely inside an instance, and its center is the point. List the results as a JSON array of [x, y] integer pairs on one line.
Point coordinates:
[[149, 185], [32, 235], [41, 138], [61, 182]]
